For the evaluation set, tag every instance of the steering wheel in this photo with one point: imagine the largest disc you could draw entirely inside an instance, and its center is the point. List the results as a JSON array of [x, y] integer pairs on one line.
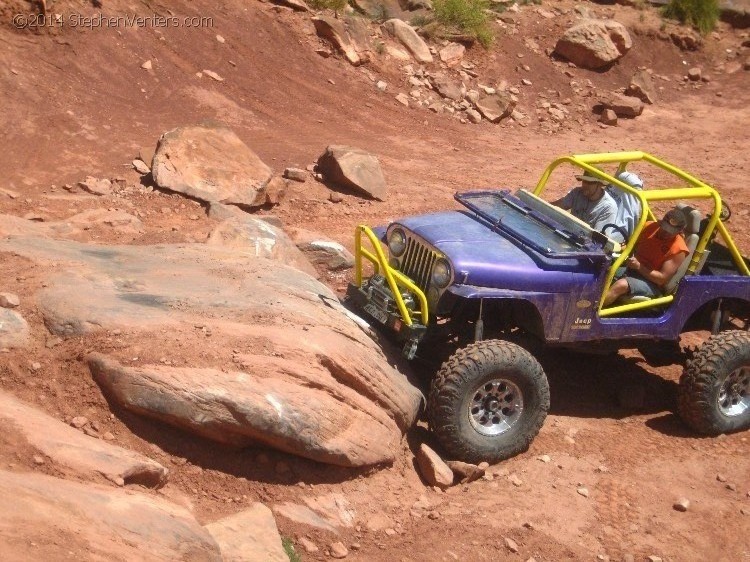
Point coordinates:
[[619, 229]]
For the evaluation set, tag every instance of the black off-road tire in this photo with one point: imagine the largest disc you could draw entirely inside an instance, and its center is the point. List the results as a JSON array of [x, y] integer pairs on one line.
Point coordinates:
[[714, 394], [487, 369]]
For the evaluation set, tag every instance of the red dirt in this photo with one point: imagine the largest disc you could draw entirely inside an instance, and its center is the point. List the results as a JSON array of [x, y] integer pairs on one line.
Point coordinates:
[[77, 102]]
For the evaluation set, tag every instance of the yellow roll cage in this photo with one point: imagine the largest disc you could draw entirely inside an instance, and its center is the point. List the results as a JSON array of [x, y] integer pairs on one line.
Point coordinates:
[[696, 189]]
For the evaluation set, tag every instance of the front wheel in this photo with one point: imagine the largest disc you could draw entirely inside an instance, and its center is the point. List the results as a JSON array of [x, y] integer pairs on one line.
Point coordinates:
[[714, 395], [488, 401]]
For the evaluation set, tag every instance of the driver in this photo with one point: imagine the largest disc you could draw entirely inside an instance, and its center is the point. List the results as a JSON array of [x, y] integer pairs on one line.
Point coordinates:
[[660, 251], [590, 202]]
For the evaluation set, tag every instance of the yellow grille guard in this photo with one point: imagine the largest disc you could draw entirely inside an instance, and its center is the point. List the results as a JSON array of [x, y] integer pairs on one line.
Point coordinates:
[[393, 277]]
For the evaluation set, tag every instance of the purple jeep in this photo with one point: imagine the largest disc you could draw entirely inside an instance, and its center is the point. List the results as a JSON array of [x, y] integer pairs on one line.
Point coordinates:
[[510, 268]]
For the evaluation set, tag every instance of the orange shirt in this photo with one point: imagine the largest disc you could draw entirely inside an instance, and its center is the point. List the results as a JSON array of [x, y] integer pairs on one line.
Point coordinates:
[[653, 251]]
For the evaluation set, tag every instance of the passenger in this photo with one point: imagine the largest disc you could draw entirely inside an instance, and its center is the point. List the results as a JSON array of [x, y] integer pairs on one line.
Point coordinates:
[[628, 207], [660, 251], [589, 202]]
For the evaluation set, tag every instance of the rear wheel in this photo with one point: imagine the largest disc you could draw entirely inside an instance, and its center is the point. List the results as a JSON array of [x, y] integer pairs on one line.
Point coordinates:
[[488, 401], [714, 392]]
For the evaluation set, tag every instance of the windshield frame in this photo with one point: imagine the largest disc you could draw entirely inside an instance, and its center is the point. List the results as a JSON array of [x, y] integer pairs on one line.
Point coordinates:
[[581, 246]]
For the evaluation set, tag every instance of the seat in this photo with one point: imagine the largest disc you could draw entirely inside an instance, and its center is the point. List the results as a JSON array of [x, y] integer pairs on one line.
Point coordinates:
[[692, 235]]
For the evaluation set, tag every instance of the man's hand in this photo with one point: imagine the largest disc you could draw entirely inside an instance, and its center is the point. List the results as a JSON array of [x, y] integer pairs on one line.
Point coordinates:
[[633, 263]]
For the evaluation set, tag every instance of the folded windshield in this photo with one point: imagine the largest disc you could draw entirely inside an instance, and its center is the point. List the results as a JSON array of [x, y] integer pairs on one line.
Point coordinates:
[[537, 229]]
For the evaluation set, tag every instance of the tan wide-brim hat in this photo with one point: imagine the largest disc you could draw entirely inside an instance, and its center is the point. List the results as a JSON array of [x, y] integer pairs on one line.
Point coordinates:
[[586, 176]]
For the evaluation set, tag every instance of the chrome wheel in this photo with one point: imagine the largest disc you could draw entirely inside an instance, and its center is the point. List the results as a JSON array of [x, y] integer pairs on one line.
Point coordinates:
[[734, 395], [496, 407]]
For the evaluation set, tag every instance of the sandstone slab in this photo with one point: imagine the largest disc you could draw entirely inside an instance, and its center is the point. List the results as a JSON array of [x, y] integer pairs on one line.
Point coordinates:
[[72, 449], [249, 536], [95, 523], [354, 169], [210, 163], [299, 352]]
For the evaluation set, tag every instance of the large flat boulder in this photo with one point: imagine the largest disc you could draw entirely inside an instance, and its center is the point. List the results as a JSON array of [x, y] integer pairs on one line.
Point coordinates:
[[249, 536], [353, 168], [593, 43], [210, 163], [304, 376], [57, 518], [262, 404], [69, 448]]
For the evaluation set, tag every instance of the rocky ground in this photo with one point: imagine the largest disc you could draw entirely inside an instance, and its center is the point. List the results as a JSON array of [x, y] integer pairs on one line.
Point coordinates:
[[613, 474]]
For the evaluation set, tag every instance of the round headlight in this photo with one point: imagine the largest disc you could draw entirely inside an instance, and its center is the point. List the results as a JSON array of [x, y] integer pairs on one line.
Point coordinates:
[[397, 242], [441, 273]]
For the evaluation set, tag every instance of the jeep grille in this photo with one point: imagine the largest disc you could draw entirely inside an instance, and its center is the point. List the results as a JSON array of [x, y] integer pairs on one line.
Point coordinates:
[[417, 262]]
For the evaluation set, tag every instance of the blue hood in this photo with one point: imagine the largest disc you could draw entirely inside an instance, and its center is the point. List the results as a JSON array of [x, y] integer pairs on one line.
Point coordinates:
[[492, 259]]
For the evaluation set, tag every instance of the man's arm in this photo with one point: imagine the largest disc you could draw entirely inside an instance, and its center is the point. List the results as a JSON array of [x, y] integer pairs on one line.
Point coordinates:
[[566, 201], [659, 277]]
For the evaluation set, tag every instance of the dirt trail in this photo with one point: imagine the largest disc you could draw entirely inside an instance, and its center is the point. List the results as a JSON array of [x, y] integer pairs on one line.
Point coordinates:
[[77, 102]]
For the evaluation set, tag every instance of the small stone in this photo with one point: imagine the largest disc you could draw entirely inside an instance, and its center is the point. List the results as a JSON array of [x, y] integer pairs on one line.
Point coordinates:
[[309, 546], [79, 421], [654, 558], [511, 545], [35, 366], [608, 117], [295, 174], [569, 440], [335, 197], [211, 74], [332, 81], [473, 115], [526, 82], [220, 39], [403, 99], [694, 74], [583, 492], [544, 458], [338, 550], [9, 300], [681, 505], [38, 459], [731, 487], [391, 532], [147, 65], [141, 167], [108, 436], [515, 480], [380, 85], [721, 478]]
